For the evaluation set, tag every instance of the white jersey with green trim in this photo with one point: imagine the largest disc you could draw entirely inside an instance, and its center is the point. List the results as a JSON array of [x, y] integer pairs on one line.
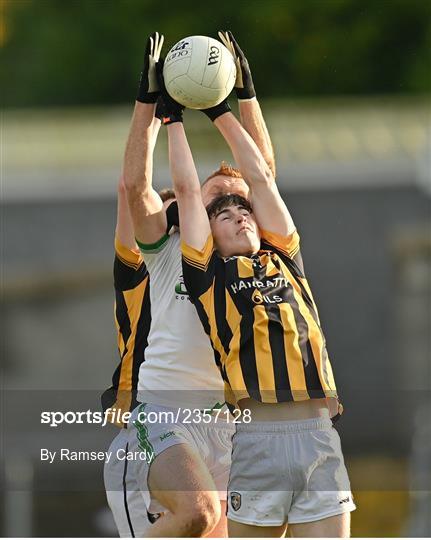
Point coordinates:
[[179, 368]]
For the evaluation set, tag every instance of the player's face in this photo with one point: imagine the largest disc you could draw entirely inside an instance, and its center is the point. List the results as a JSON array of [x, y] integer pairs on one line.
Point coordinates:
[[235, 232], [223, 184]]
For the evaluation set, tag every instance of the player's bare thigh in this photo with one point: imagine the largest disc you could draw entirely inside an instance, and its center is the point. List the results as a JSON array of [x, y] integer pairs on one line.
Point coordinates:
[[181, 482], [220, 530]]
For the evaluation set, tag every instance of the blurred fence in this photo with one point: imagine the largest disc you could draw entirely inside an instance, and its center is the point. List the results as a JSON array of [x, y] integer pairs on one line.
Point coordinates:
[[58, 153]]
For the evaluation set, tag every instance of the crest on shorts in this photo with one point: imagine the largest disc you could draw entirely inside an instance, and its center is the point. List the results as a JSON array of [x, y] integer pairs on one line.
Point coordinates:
[[235, 500]]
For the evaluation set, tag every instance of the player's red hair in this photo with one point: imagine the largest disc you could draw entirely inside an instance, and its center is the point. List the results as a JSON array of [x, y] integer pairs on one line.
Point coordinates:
[[224, 170]]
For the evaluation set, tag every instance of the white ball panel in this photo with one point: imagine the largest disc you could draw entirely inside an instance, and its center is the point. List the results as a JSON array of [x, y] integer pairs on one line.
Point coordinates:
[[176, 68], [230, 81], [199, 58], [214, 64], [216, 78], [178, 59], [193, 95]]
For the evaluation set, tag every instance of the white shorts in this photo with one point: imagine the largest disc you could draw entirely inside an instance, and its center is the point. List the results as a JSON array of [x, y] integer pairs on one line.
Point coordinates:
[[124, 497], [287, 472], [126, 480]]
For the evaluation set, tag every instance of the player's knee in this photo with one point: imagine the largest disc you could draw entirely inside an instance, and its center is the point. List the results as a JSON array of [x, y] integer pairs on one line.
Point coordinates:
[[203, 515]]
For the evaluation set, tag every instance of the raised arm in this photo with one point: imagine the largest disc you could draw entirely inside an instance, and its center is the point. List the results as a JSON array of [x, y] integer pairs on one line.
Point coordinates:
[[268, 206], [249, 108], [124, 229], [254, 123], [146, 208], [194, 223]]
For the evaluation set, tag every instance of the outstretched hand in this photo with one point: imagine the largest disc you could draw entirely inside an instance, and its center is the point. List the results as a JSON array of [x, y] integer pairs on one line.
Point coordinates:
[[244, 86], [214, 112], [173, 111], [149, 90]]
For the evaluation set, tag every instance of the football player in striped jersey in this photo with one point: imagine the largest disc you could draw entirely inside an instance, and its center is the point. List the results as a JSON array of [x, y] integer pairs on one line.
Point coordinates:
[[244, 273]]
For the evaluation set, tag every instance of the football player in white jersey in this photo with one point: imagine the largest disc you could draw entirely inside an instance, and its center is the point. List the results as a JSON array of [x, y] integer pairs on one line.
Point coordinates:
[[185, 470]]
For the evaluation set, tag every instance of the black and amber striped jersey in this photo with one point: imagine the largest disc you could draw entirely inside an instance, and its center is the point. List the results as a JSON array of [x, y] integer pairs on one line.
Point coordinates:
[[133, 320], [262, 321]]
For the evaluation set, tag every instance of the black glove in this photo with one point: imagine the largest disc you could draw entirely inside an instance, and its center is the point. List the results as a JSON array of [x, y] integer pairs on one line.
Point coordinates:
[[160, 111], [173, 110], [244, 86], [149, 90], [218, 110]]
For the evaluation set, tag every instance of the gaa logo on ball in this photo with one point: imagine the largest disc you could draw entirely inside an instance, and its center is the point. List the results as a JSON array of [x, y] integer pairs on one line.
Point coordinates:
[[199, 72]]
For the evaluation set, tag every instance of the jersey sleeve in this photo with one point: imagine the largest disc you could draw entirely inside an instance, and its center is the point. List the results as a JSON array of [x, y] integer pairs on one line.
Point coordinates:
[[129, 257], [162, 257], [288, 245], [147, 250], [198, 268], [129, 267], [133, 319]]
